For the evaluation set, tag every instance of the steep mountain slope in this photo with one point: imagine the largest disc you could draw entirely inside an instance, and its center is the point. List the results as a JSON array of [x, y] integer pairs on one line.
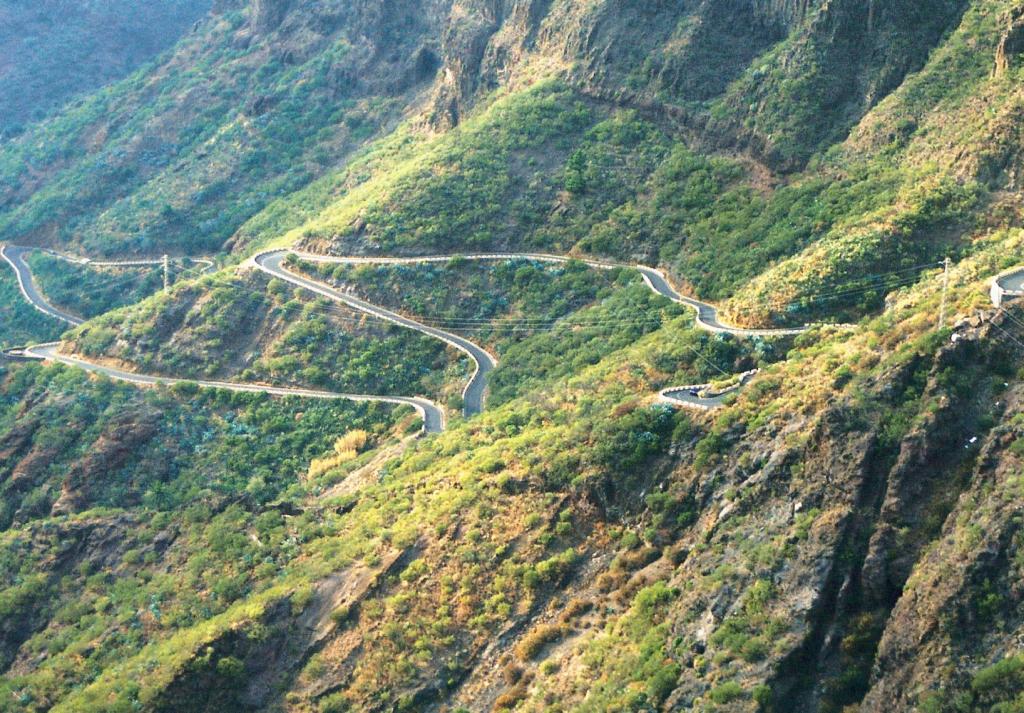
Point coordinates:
[[241, 111], [196, 146], [843, 534], [52, 51]]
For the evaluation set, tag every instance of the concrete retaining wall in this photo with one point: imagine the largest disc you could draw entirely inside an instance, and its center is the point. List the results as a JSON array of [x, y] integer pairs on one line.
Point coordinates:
[[1000, 294]]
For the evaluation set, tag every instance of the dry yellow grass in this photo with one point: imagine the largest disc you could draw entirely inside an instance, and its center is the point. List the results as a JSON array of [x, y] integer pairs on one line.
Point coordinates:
[[346, 448]]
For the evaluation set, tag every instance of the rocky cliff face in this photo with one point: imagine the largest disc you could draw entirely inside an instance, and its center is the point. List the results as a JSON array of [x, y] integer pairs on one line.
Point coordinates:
[[966, 580], [482, 41], [847, 57], [842, 57], [724, 72], [787, 12], [266, 15], [1011, 44], [487, 41]]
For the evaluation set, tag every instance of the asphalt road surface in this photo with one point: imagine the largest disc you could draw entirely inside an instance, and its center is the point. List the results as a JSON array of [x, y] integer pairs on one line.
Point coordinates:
[[433, 416], [272, 262], [1012, 282], [474, 393], [15, 257], [707, 314], [683, 396]]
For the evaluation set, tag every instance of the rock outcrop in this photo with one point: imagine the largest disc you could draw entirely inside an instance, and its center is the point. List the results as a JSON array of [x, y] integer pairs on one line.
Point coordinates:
[[266, 15], [482, 38], [1012, 42], [786, 12], [968, 582]]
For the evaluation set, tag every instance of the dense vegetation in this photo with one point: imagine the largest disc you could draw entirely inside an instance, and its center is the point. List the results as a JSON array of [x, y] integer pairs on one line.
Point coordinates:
[[203, 480], [20, 323], [613, 184], [230, 444], [513, 464], [547, 322], [219, 119], [248, 329], [91, 291], [490, 302], [842, 534]]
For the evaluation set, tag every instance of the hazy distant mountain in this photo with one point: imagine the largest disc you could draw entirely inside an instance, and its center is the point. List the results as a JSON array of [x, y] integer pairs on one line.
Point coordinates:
[[53, 50]]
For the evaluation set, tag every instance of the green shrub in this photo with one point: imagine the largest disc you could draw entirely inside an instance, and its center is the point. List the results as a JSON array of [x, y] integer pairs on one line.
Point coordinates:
[[726, 692], [661, 685], [1000, 687], [531, 644], [230, 667], [335, 703], [754, 649], [185, 389]]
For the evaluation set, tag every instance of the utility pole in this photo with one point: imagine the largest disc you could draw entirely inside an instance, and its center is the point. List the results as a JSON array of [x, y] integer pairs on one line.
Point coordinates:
[[945, 291], [167, 274]]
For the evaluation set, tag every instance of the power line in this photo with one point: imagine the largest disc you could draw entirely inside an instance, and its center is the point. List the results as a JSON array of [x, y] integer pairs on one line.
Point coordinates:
[[531, 324], [827, 296], [707, 361], [465, 323], [344, 313], [471, 324], [883, 284], [1010, 317], [120, 281], [1010, 336], [550, 327], [497, 323]]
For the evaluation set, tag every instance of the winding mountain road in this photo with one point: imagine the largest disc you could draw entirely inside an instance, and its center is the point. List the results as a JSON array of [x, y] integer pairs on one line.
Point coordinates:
[[472, 395], [699, 396], [706, 313], [431, 413], [434, 420], [15, 257], [273, 263], [141, 262], [692, 397]]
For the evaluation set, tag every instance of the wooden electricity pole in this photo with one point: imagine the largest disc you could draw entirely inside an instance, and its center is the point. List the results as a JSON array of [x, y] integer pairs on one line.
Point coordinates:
[[945, 292], [167, 276]]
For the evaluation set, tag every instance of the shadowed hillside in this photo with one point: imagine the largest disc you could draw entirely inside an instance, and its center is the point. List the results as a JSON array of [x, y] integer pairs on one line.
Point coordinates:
[[52, 51]]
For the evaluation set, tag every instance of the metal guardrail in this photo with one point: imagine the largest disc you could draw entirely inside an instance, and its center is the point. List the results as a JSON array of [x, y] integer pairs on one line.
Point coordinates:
[[17, 354], [705, 399]]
